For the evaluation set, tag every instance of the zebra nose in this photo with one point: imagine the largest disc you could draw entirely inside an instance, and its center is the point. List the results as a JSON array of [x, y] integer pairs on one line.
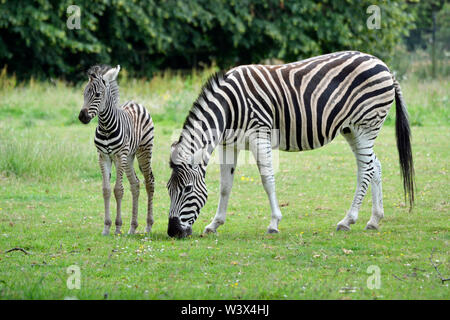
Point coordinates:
[[175, 229], [84, 116]]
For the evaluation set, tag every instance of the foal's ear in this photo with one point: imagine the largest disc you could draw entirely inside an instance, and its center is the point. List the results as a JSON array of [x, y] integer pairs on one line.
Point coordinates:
[[92, 76], [111, 74]]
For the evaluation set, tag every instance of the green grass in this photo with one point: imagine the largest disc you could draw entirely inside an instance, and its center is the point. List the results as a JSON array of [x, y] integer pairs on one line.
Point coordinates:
[[51, 205]]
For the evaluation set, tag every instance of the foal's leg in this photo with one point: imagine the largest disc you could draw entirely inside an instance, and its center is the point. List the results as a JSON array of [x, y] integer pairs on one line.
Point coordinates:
[[144, 159], [105, 167], [121, 162], [134, 186], [362, 147], [377, 198], [262, 151], [228, 160]]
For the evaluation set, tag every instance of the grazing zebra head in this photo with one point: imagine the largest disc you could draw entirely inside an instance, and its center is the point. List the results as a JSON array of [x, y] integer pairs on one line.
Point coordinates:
[[187, 190], [101, 83]]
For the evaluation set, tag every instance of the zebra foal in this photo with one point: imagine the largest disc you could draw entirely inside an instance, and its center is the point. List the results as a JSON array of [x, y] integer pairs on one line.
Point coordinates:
[[301, 106], [123, 133]]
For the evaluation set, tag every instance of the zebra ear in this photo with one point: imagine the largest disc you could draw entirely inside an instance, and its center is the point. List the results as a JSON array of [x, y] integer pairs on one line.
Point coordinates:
[[111, 74], [92, 76], [172, 147], [174, 153]]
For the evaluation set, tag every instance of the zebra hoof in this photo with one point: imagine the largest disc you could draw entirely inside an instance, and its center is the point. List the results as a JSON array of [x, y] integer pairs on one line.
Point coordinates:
[[105, 233], [271, 231], [371, 226], [148, 229], [342, 227], [132, 231], [209, 230]]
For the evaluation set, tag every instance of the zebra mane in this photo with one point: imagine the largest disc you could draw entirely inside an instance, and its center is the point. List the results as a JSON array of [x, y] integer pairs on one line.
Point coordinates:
[[214, 79], [97, 71]]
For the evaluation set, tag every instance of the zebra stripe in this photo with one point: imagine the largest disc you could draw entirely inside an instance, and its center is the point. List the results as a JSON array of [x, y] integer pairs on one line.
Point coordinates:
[[302, 105], [123, 132]]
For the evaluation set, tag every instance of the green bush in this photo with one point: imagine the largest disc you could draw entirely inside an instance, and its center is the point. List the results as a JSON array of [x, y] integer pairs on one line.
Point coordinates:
[[160, 34]]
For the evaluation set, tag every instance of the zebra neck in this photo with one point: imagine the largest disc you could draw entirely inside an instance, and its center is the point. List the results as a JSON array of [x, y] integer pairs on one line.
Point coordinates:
[[207, 121], [110, 115], [200, 144], [114, 92]]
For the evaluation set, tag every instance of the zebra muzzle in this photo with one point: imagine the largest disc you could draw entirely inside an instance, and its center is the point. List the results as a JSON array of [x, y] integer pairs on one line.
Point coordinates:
[[176, 230], [84, 116]]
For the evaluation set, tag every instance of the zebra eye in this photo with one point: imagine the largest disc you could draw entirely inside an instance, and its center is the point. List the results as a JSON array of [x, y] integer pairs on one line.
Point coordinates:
[[188, 188], [97, 95]]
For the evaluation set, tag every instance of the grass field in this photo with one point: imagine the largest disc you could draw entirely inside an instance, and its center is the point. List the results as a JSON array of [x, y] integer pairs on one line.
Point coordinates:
[[51, 206]]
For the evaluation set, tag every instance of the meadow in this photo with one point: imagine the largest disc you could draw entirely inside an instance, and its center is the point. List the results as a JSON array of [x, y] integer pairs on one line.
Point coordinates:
[[51, 206]]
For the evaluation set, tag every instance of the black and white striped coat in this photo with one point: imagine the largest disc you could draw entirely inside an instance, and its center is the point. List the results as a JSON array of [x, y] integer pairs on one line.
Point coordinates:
[[124, 129], [123, 133], [294, 107]]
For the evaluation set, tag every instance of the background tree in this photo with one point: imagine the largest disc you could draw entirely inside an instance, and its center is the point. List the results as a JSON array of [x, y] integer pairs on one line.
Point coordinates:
[[424, 35], [145, 36]]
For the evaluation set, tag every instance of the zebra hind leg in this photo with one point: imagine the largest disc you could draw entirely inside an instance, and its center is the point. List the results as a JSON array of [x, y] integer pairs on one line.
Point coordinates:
[[144, 159], [362, 146], [377, 198]]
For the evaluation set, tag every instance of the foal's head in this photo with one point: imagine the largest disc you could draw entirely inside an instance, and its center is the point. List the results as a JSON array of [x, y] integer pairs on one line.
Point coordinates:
[[95, 92]]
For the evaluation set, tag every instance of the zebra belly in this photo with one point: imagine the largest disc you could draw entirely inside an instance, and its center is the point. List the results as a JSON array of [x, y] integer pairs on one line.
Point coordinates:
[[292, 145], [241, 139]]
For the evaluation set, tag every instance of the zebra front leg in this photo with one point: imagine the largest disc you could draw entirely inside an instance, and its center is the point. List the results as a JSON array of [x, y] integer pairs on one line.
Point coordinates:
[[134, 186], [228, 160], [144, 160], [105, 167], [120, 162], [362, 148], [262, 151], [377, 198]]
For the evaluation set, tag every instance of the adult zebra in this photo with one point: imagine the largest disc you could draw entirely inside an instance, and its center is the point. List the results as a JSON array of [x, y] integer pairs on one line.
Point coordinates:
[[123, 132], [302, 106]]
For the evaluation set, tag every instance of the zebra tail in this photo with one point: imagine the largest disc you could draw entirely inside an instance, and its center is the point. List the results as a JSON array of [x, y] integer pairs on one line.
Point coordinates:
[[403, 136]]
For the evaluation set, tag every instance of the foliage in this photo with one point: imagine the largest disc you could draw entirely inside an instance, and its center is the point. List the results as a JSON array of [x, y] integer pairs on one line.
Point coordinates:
[[145, 36], [423, 10]]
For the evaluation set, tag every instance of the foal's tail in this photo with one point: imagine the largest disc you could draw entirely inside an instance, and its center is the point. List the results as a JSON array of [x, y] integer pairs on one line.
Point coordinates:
[[403, 135]]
